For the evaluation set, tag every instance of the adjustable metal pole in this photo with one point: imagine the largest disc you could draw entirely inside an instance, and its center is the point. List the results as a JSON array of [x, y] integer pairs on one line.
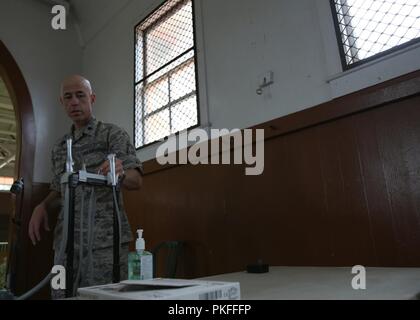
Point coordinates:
[[116, 247], [70, 229], [70, 239], [116, 225]]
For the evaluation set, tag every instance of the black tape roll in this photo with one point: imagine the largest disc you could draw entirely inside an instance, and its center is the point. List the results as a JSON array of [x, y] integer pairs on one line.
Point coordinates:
[[257, 268]]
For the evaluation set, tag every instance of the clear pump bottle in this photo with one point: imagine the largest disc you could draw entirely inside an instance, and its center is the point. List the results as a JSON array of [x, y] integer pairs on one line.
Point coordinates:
[[140, 262]]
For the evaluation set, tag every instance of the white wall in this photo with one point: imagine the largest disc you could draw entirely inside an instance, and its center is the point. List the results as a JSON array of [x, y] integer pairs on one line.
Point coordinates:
[[45, 57], [239, 40]]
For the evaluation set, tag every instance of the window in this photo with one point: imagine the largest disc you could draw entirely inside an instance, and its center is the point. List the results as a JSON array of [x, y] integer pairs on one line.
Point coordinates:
[[6, 183], [367, 29], [166, 99]]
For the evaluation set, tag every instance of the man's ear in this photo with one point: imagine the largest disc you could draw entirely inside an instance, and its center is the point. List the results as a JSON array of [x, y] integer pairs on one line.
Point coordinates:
[[92, 98], [61, 100]]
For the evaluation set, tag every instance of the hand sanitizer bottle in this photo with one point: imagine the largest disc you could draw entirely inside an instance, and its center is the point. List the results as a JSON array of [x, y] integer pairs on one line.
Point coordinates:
[[140, 263]]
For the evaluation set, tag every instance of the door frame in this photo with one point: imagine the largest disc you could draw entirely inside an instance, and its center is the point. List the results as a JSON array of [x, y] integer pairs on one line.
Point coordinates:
[[24, 167]]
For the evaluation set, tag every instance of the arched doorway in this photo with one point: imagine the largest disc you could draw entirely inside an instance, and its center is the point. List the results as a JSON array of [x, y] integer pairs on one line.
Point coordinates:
[[24, 160], [8, 148]]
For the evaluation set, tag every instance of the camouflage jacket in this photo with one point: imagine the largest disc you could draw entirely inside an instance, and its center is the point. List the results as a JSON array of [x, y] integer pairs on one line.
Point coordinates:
[[91, 146]]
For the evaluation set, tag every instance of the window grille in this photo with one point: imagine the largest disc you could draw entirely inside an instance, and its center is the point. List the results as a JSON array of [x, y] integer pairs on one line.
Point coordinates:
[[368, 28], [166, 99]]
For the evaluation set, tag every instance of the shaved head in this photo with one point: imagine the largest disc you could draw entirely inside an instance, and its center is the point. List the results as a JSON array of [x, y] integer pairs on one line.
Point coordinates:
[[76, 79], [77, 98]]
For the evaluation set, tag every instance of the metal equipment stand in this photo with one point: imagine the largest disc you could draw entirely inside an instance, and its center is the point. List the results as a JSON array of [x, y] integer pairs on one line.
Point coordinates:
[[73, 180]]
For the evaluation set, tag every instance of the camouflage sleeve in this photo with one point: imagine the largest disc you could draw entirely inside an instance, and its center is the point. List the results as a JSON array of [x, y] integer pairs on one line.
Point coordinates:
[[55, 182], [121, 145]]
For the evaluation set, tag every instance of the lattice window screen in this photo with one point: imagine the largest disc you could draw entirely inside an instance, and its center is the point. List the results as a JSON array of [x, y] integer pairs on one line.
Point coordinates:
[[165, 73], [369, 27]]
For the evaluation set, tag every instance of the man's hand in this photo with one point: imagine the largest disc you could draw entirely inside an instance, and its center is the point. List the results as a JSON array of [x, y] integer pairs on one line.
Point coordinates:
[[39, 217], [132, 180], [104, 168]]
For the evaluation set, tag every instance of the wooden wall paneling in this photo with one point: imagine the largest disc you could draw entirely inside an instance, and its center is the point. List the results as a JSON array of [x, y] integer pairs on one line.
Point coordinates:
[[304, 202], [375, 187], [311, 176], [356, 199], [215, 189], [245, 215], [399, 138], [347, 209], [271, 190], [331, 163]]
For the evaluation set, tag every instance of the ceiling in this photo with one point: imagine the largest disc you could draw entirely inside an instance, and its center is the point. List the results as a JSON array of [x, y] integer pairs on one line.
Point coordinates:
[[7, 133]]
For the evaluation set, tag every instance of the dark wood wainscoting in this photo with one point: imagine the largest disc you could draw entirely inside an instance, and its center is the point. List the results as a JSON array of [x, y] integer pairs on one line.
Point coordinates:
[[341, 186]]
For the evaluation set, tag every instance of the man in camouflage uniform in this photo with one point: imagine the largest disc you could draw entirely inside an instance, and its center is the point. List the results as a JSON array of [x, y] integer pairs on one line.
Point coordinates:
[[92, 140]]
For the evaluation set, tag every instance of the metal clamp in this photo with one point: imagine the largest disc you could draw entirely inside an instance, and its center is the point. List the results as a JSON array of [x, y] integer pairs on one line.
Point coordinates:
[[267, 81]]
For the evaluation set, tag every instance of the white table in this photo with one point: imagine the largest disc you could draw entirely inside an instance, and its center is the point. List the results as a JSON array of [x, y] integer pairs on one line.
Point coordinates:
[[329, 283]]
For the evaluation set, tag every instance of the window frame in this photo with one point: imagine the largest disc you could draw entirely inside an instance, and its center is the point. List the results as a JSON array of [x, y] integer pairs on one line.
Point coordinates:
[[195, 61], [376, 56]]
